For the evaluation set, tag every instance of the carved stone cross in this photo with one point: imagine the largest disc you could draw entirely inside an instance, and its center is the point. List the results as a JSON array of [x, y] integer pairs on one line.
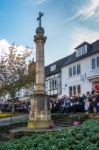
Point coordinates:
[[39, 18]]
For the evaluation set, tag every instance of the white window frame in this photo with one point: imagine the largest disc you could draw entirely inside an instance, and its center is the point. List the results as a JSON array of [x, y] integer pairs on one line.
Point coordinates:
[[76, 90], [81, 51], [72, 69], [53, 67], [96, 66]]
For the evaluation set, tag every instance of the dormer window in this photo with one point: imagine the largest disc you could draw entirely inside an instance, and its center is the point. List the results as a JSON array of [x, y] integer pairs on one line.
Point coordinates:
[[81, 50], [53, 67]]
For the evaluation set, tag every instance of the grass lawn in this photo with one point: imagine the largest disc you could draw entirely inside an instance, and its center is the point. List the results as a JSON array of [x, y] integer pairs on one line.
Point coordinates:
[[4, 115]]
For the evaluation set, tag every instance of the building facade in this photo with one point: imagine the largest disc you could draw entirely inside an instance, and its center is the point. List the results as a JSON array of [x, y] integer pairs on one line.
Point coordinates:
[[77, 74], [53, 78]]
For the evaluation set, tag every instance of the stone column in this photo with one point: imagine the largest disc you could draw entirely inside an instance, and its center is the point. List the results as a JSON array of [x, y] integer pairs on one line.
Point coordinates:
[[40, 116], [40, 40]]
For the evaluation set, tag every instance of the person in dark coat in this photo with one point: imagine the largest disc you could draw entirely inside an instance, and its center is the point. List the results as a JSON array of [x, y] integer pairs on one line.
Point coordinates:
[[97, 102]]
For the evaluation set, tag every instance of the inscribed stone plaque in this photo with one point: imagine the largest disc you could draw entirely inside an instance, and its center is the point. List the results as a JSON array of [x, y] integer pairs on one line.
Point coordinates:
[[41, 103]]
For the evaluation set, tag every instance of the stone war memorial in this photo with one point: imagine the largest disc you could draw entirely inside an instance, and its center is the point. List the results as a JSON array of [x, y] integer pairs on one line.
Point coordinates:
[[40, 116]]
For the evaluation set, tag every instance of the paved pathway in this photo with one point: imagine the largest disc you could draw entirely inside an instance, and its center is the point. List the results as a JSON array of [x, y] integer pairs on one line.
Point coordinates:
[[12, 119]]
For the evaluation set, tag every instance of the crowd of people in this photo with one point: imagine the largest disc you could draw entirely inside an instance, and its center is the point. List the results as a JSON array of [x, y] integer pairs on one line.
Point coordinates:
[[6, 106], [88, 103]]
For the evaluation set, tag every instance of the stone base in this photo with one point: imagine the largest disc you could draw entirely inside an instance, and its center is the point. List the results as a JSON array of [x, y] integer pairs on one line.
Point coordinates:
[[25, 131], [40, 124]]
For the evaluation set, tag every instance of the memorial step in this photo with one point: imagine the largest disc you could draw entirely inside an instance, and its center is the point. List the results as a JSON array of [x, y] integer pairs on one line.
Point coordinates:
[[63, 123]]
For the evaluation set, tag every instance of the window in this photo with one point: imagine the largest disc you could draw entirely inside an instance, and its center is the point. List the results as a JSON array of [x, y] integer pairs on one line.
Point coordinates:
[[53, 84], [46, 84], [97, 61], [78, 69], [53, 67], [70, 91], [70, 72], [73, 90], [78, 52], [81, 51], [50, 84], [74, 70], [78, 89], [93, 63], [84, 49]]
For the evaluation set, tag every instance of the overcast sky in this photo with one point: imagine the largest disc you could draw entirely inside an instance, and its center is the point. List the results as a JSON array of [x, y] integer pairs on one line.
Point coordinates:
[[67, 24]]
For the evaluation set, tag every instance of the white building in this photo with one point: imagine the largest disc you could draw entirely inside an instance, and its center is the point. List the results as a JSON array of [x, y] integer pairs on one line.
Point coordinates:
[[76, 73]]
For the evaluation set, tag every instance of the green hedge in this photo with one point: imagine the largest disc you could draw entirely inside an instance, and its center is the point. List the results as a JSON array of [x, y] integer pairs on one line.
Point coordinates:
[[84, 137]]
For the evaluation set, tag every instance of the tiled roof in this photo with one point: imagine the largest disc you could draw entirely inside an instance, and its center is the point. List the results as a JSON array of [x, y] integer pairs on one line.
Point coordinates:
[[59, 63], [94, 48]]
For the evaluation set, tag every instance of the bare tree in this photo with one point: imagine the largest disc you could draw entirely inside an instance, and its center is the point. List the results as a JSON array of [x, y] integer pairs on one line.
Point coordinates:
[[14, 72]]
